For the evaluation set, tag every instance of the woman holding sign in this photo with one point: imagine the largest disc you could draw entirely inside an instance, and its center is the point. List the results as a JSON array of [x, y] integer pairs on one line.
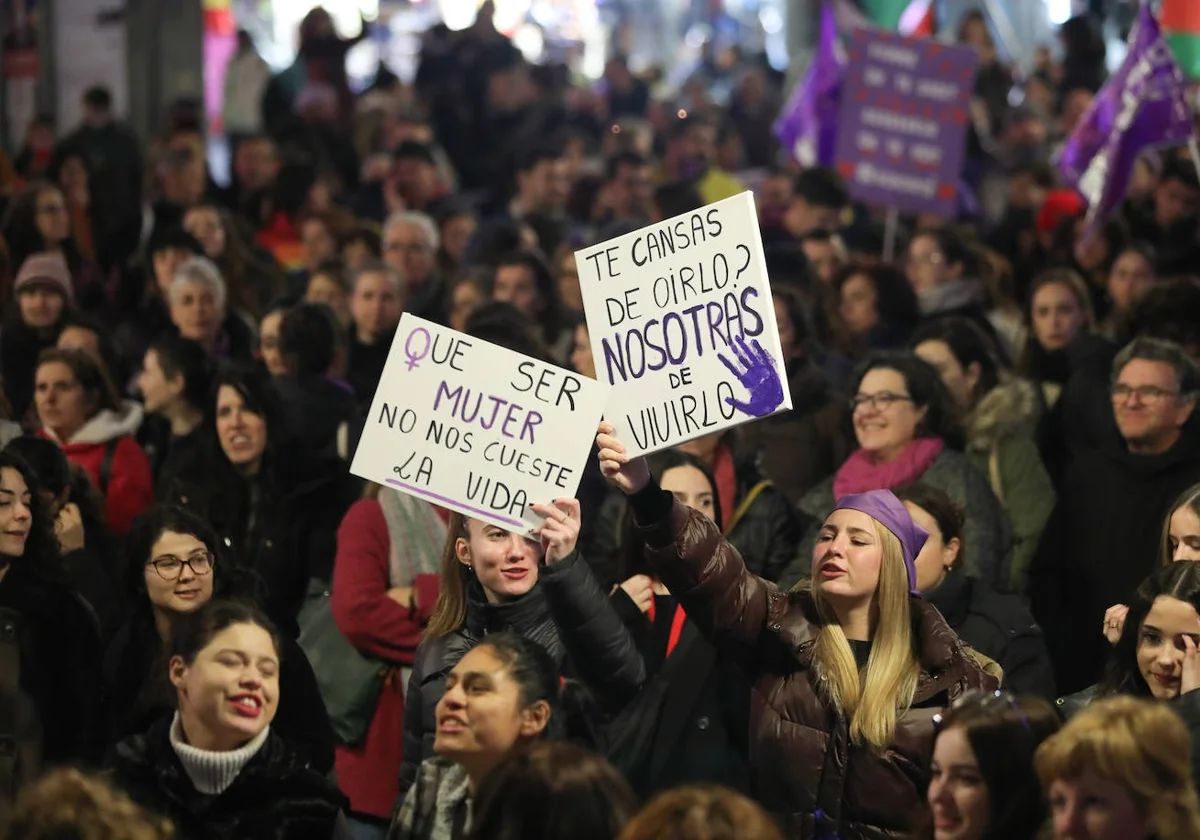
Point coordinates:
[[494, 580], [847, 672]]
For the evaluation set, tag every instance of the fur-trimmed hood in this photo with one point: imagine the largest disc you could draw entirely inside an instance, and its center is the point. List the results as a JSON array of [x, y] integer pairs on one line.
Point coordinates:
[[1011, 407]]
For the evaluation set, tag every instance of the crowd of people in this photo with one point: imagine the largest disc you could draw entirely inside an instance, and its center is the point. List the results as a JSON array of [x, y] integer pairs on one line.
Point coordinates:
[[954, 593]]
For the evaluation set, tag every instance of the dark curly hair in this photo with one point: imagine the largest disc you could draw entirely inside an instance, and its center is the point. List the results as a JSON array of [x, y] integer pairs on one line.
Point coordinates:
[[41, 556], [927, 391]]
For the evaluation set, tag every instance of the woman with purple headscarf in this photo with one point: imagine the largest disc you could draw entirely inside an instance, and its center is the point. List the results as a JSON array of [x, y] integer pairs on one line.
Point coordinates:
[[847, 672]]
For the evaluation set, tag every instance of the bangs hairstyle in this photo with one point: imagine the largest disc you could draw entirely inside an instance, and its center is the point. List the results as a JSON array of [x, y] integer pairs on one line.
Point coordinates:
[[927, 391], [1141, 745], [874, 699], [1175, 580], [1004, 737], [1189, 498], [259, 396]]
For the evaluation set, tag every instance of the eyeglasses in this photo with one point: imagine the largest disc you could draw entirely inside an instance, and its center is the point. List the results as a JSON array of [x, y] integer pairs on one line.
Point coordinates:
[[1145, 393], [169, 567], [987, 701], [880, 402], [929, 259]]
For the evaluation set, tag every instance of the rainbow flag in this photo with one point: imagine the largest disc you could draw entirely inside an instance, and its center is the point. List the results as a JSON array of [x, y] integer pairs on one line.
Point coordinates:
[[1181, 26]]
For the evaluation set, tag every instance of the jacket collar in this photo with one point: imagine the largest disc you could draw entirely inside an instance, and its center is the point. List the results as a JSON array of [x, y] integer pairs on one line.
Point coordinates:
[[105, 425], [520, 614], [953, 597]]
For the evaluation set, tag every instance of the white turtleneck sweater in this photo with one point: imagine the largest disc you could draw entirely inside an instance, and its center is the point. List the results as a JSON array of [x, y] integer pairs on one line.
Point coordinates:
[[212, 772]]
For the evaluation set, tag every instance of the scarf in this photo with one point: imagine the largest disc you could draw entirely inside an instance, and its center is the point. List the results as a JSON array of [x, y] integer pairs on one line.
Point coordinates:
[[416, 534], [861, 472]]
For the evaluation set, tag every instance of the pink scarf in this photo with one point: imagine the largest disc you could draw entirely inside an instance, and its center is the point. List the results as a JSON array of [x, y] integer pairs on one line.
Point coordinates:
[[861, 472]]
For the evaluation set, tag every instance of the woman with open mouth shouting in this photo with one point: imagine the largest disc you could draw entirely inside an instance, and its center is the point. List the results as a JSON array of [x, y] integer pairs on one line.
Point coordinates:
[[494, 580], [847, 672], [215, 768]]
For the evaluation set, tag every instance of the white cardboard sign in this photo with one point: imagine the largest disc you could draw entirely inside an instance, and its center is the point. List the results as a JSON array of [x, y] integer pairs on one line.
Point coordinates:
[[475, 427], [683, 327]]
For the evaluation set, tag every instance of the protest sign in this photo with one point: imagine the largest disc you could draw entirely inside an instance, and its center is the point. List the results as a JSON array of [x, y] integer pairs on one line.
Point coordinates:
[[683, 327], [477, 428], [903, 121]]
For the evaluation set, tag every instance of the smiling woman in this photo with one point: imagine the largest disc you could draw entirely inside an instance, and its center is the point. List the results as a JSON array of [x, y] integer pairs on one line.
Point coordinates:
[[216, 766], [173, 572]]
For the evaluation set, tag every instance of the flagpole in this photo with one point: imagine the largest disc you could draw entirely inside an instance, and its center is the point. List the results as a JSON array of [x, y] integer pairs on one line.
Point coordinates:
[[889, 234], [1194, 150]]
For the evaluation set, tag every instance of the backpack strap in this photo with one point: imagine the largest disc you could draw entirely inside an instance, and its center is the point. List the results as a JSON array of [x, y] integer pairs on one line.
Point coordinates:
[[110, 451], [749, 499]]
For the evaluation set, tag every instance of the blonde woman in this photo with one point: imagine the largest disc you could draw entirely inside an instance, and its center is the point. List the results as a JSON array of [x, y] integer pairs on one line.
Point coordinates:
[[1120, 769], [847, 672]]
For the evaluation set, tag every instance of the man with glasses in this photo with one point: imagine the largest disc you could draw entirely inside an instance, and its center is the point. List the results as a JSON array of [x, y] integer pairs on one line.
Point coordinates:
[[1103, 537]]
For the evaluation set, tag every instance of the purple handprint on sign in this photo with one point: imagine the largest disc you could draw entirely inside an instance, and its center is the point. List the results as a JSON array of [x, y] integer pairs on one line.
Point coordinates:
[[758, 375]]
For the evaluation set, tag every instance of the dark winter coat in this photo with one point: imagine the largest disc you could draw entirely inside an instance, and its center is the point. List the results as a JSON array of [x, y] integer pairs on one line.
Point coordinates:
[[765, 529], [1100, 543], [59, 645], [281, 525], [702, 706], [999, 626], [276, 796], [137, 693], [566, 612], [317, 412], [803, 766]]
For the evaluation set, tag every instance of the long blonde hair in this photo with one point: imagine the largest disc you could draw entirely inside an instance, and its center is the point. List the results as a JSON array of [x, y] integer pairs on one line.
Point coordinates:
[[1141, 745], [450, 610], [874, 699]]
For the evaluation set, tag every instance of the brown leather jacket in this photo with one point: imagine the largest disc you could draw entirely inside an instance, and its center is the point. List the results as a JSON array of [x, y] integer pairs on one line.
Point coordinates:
[[803, 766]]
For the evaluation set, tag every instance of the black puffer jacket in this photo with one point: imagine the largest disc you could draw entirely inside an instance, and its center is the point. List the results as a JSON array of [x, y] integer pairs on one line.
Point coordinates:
[[1000, 627], [275, 796], [566, 612]]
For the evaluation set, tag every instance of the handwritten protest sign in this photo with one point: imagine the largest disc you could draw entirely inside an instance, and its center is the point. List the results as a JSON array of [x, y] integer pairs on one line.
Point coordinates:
[[683, 327], [477, 428], [903, 120]]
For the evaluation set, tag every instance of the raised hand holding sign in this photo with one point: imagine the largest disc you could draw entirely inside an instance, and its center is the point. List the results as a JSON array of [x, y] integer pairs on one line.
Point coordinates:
[[683, 326]]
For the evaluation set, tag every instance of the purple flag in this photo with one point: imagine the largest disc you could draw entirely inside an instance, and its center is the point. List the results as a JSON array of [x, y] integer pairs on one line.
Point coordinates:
[[1143, 104], [807, 127]]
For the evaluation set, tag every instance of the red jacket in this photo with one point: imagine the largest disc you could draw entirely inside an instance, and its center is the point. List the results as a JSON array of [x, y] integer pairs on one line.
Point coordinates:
[[369, 773], [127, 484]]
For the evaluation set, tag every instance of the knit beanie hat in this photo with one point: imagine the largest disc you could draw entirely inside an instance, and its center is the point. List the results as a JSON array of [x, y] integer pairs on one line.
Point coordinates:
[[888, 511], [45, 269]]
